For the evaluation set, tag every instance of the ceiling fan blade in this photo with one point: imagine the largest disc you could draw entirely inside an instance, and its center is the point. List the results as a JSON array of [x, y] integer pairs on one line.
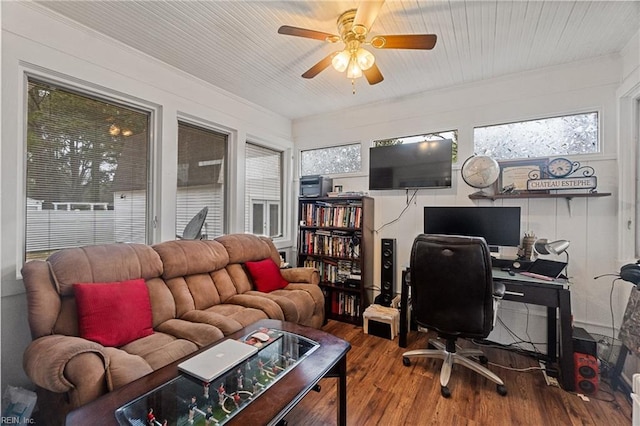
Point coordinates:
[[373, 75], [303, 32], [408, 41], [367, 13], [320, 66]]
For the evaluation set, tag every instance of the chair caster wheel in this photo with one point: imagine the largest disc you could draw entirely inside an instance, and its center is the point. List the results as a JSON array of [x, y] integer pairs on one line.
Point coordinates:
[[483, 360], [445, 392], [502, 390], [406, 361]]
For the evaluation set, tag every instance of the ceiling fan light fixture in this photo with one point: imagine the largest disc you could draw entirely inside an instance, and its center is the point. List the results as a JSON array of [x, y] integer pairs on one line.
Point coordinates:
[[354, 70], [341, 61], [365, 59]]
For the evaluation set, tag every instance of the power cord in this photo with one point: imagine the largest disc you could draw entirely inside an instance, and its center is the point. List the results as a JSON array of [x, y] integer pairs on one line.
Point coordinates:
[[409, 200]]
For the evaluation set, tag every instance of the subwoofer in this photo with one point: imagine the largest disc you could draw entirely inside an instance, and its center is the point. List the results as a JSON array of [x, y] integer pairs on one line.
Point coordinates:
[[387, 271], [586, 373]]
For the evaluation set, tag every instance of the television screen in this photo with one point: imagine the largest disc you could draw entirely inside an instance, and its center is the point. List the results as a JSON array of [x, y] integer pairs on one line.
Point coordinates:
[[415, 165], [500, 226]]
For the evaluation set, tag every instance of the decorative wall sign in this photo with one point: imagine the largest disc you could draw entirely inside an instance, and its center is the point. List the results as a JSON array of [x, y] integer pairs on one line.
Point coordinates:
[[515, 174], [590, 182], [564, 174]]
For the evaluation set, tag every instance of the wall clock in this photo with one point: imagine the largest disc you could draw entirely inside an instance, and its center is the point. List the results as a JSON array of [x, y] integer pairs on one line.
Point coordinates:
[[559, 167]]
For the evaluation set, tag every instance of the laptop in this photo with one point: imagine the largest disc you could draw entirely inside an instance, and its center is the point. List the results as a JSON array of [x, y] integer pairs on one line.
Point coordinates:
[[550, 269], [215, 361]]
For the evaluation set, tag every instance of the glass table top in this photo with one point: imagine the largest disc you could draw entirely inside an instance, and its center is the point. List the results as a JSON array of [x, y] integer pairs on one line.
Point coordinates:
[[187, 401]]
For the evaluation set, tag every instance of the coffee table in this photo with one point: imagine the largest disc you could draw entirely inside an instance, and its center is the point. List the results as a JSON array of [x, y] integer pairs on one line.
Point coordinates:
[[270, 406]]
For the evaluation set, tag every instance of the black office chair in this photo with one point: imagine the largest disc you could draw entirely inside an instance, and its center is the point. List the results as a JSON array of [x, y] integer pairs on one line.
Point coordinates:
[[453, 293]]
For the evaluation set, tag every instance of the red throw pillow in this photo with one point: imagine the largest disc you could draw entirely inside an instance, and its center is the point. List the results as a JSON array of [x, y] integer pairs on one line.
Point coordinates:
[[266, 275], [114, 314]]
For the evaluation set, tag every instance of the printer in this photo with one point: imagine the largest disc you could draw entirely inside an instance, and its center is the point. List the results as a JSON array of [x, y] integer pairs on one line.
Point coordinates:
[[315, 186]]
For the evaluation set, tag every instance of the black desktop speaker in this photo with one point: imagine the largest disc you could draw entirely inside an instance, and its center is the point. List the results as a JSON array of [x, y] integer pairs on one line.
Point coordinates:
[[583, 342], [387, 272]]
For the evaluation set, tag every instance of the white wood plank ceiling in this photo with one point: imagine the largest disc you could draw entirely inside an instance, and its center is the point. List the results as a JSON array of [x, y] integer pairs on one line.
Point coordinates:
[[235, 45]]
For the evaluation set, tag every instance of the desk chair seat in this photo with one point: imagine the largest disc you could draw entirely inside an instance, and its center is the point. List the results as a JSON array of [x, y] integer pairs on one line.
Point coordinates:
[[453, 293]]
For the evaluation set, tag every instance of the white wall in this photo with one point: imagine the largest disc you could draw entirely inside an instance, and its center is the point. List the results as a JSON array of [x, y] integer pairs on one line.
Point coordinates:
[[37, 41], [591, 225]]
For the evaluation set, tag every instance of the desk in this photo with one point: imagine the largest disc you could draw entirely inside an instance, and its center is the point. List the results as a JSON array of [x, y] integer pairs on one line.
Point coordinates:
[[555, 295]]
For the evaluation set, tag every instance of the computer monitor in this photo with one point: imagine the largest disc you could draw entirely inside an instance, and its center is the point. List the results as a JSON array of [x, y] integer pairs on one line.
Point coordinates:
[[500, 226]]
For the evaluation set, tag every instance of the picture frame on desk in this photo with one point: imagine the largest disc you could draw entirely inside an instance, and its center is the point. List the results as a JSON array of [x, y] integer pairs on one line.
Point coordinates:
[[515, 174]]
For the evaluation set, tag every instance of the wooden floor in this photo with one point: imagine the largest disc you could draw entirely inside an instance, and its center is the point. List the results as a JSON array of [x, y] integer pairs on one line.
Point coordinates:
[[381, 391]]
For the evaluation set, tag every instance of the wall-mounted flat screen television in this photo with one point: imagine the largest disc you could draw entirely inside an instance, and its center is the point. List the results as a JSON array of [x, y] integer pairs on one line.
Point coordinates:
[[500, 226], [414, 165]]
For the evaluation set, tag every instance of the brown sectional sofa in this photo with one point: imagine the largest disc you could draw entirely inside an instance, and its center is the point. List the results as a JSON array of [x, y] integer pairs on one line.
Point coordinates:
[[199, 292]]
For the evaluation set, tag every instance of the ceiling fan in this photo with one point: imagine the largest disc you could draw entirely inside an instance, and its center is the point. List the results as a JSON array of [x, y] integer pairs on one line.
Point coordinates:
[[353, 26]]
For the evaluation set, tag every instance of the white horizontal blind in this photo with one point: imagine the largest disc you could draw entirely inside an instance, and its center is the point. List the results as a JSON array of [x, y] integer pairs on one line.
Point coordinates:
[[201, 178], [83, 154], [263, 185]]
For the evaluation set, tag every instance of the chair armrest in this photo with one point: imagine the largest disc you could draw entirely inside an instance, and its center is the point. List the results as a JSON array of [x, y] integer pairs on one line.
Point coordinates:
[[301, 275], [47, 357]]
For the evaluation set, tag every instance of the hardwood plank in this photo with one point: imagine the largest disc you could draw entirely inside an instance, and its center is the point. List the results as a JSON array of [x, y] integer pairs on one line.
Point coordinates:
[[382, 391]]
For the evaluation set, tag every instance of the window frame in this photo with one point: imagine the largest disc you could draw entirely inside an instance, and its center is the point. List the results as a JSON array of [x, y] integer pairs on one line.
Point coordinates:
[[248, 200], [96, 91]]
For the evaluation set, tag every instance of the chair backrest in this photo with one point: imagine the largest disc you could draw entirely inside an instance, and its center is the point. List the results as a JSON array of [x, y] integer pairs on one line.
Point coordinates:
[[451, 285], [193, 230]]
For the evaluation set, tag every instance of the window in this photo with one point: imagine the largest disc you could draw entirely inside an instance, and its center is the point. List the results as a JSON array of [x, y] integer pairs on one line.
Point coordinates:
[[265, 217], [426, 137], [564, 135], [201, 178], [263, 191], [331, 160], [87, 171]]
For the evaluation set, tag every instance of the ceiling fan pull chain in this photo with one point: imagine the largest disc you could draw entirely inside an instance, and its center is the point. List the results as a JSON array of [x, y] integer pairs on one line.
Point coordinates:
[[353, 86]]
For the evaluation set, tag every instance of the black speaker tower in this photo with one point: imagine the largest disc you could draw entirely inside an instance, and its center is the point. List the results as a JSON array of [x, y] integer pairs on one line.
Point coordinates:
[[387, 272]]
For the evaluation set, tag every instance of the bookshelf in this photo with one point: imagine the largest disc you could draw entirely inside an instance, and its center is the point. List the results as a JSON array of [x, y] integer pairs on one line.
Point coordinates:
[[336, 237]]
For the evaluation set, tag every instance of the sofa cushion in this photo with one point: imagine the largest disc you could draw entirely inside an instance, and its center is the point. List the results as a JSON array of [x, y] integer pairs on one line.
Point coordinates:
[[103, 263], [266, 275], [243, 248], [113, 314], [188, 257]]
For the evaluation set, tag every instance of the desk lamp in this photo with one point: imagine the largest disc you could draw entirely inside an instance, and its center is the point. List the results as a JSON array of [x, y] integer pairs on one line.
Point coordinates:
[[543, 246]]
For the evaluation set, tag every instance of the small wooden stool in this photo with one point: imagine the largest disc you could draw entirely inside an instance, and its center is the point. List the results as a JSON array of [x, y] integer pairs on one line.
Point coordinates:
[[383, 315]]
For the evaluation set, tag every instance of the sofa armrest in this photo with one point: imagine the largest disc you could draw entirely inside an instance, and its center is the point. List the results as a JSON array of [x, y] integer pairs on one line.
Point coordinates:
[[46, 359], [301, 275]]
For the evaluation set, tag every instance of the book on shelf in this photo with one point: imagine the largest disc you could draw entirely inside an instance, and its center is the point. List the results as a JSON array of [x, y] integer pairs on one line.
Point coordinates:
[[319, 213], [345, 304], [343, 244]]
